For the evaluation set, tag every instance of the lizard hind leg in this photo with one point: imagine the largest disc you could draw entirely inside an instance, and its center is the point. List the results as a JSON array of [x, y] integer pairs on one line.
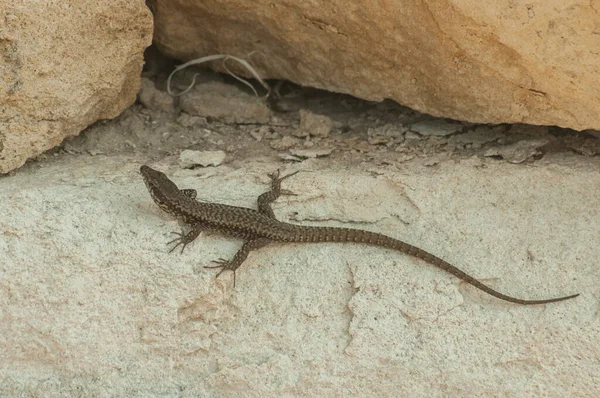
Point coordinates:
[[239, 257]]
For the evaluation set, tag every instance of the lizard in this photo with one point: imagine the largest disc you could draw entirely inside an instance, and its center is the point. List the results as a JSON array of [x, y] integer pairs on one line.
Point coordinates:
[[260, 227]]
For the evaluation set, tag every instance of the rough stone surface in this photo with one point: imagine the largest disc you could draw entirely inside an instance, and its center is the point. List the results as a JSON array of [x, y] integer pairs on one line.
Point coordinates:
[[64, 66], [155, 99], [93, 305], [480, 61], [189, 159], [436, 127], [224, 102], [313, 125]]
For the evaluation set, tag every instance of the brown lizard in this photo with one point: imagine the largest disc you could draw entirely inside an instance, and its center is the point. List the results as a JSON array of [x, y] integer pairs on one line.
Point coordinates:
[[260, 227]]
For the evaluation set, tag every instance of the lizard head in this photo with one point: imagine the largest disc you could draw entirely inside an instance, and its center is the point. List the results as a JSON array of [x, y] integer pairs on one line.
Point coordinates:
[[160, 187]]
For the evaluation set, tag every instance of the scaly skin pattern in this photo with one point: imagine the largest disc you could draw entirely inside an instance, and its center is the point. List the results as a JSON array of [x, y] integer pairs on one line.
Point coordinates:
[[260, 227]]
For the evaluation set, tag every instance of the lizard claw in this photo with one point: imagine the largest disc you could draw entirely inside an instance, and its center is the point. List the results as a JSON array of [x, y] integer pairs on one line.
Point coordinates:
[[223, 265], [276, 180], [279, 179], [181, 240], [287, 192]]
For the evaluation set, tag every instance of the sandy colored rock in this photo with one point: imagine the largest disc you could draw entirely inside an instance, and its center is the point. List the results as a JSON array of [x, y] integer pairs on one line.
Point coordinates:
[[312, 124], [189, 159], [518, 152], [92, 304], [65, 67], [224, 102], [488, 62], [155, 99]]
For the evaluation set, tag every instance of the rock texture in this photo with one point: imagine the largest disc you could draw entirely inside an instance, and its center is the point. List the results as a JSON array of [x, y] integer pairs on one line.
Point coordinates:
[[93, 305], [65, 67], [481, 61]]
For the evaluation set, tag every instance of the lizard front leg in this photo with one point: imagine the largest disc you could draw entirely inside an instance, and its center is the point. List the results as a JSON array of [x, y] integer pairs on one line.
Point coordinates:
[[239, 257], [265, 200], [184, 239]]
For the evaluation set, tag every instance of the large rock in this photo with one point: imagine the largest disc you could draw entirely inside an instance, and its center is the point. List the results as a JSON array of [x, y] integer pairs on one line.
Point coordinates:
[[64, 67], [481, 61], [93, 305]]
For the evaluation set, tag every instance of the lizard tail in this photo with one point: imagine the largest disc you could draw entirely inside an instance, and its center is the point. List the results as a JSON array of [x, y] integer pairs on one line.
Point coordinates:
[[331, 234]]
